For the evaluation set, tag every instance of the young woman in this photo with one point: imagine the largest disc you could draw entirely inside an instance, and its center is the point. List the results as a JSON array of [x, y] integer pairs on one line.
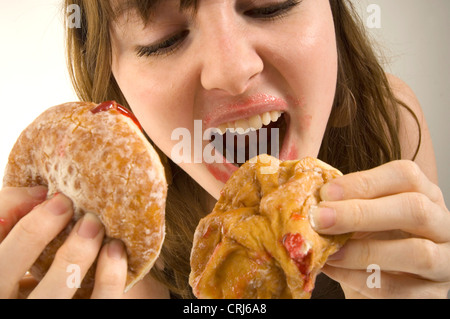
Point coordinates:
[[225, 64]]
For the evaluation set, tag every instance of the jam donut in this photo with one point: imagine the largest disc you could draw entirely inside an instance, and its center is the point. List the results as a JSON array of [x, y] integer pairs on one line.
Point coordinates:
[[258, 241], [97, 156]]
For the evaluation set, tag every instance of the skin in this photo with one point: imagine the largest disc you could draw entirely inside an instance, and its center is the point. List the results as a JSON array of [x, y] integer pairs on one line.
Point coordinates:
[[398, 201], [249, 65]]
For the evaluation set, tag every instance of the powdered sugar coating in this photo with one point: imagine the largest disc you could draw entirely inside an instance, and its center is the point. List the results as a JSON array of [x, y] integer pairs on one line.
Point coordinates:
[[106, 166]]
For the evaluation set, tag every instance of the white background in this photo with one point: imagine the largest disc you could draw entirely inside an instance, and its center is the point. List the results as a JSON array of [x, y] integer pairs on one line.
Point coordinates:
[[33, 77]]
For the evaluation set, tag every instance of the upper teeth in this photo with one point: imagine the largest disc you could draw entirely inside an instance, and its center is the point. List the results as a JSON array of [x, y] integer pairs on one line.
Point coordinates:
[[253, 123]]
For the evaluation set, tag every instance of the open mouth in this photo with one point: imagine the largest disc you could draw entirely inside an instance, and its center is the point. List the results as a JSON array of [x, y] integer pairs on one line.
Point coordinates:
[[244, 139]]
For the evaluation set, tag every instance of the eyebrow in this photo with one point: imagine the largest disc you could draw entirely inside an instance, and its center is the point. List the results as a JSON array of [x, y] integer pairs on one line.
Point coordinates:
[[145, 8]]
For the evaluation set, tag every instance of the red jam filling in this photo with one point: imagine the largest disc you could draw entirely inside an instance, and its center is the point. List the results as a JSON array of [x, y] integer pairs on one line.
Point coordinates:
[[294, 244], [113, 105]]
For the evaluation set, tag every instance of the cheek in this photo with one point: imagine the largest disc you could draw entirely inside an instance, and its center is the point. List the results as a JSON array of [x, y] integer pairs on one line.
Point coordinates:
[[311, 71], [154, 102], [305, 122]]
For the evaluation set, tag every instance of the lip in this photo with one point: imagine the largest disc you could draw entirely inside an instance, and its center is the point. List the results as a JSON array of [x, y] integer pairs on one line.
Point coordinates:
[[243, 108], [223, 171]]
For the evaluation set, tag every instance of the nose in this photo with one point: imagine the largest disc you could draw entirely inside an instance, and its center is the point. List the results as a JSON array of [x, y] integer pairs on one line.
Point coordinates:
[[230, 61]]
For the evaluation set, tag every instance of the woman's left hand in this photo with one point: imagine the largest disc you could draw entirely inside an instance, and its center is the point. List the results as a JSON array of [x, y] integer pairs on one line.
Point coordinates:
[[401, 233]]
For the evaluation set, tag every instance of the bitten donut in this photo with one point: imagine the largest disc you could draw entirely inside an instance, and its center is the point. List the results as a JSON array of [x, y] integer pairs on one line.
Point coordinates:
[[97, 156], [258, 241]]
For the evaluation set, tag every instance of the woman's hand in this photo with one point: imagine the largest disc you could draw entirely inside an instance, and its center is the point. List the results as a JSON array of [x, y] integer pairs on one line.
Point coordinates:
[[28, 223], [400, 224]]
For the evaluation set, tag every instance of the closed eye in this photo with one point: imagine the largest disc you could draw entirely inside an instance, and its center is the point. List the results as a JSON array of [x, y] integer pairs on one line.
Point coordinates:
[[164, 47], [272, 11], [169, 45]]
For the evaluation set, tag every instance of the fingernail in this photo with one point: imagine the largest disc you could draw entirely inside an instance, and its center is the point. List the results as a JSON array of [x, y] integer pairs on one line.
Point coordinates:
[[322, 217], [59, 205], [331, 191], [115, 249], [90, 226], [337, 255], [38, 192]]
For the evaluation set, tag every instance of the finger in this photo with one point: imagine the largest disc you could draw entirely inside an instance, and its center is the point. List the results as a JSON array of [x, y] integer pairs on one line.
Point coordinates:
[[111, 273], [26, 241], [26, 286], [413, 255], [376, 284], [388, 179], [15, 203], [78, 252], [411, 212]]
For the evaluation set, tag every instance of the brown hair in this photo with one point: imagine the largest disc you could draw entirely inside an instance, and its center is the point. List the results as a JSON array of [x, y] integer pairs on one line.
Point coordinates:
[[362, 131]]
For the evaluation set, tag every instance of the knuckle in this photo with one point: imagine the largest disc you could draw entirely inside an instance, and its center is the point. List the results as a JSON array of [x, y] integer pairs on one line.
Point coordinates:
[[357, 217], [437, 194], [364, 183], [74, 252], [412, 172], [32, 232], [414, 176], [426, 255], [366, 257], [420, 209], [67, 256]]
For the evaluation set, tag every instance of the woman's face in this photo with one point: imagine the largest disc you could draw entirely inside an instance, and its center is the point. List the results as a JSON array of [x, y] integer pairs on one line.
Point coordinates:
[[231, 64]]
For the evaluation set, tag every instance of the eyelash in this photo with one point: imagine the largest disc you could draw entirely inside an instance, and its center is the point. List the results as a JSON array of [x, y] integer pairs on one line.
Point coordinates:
[[169, 45], [274, 11], [163, 48]]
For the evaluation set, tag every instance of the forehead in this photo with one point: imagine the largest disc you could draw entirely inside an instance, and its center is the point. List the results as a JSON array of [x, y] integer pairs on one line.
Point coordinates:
[[145, 8]]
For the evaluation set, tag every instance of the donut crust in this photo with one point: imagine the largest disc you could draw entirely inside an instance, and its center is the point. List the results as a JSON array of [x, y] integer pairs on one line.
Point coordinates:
[[258, 241], [105, 165]]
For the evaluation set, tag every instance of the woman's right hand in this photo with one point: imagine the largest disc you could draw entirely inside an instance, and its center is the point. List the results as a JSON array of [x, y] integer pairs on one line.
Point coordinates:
[[28, 222]]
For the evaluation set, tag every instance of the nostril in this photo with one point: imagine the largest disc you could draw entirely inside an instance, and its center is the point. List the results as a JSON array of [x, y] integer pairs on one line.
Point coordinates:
[[231, 69]]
